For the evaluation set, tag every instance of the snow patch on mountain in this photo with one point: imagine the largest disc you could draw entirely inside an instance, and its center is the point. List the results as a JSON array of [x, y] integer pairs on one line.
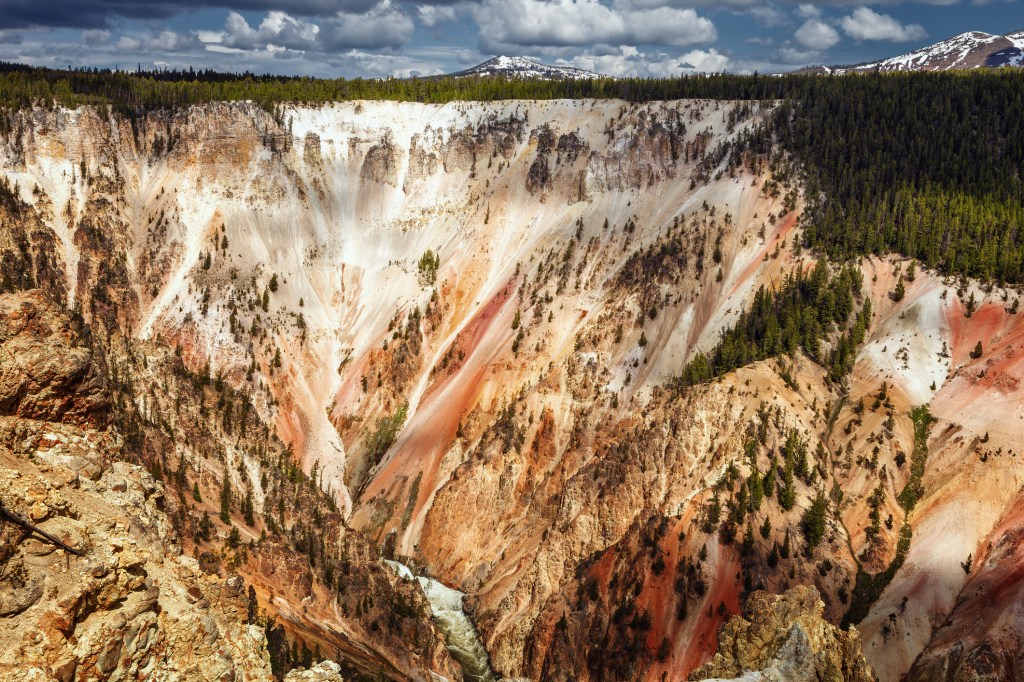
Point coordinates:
[[969, 50], [521, 67]]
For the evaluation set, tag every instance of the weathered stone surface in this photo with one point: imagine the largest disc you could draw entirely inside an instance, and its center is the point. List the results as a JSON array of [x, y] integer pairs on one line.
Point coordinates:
[[47, 370], [785, 638], [325, 671]]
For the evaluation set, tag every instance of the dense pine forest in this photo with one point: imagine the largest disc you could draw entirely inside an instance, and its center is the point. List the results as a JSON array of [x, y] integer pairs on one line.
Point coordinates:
[[928, 165]]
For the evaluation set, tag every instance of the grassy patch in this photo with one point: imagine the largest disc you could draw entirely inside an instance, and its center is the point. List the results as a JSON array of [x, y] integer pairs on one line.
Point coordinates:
[[414, 492], [912, 492], [378, 442], [870, 587]]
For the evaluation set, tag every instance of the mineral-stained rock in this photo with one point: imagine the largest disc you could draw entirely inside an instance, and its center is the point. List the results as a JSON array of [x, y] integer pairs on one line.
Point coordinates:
[[47, 371], [785, 638], [16, 598]]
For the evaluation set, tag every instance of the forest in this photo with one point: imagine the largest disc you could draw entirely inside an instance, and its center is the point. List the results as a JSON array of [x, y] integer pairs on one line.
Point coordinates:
[[803, 312]]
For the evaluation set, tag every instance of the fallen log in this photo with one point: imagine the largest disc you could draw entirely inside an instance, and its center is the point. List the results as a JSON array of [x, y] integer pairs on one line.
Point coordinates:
[[8, 515]]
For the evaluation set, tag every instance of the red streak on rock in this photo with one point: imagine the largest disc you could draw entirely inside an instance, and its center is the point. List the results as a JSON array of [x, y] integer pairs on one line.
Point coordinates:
[[988, 324], [430, 431], [781, 233], [988, 389], [704, 639]]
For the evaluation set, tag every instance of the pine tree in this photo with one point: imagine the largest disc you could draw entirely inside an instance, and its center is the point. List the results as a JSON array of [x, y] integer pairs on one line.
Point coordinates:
[[900, 291], [225, 499], [814, 518], [754, 484], [247, 509], [769, 479], [748, 540], [787, 489], [205, 527]]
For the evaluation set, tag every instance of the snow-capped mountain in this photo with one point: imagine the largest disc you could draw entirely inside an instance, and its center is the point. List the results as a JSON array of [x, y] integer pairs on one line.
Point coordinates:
[[969, 50], [521, 67]]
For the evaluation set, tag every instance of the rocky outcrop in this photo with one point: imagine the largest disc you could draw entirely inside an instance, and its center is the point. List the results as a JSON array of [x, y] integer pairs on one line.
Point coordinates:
[[131, 605], [785, 637], [325, 671], [47, 368]]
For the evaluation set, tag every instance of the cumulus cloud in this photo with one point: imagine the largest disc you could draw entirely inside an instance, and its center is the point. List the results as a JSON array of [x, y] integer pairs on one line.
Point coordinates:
[[164, 41], [277, 29], [789, 54], [866, 24], [384, 26], [381, 27], [816, 35], [627, 60], [96, 36], [704, 61], [767, 15], [808, 11], [432, 15], [552, 23]]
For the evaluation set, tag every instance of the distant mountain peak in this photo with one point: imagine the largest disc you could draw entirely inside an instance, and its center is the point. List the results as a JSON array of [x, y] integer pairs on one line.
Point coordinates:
[[967, 50], [522, 67]]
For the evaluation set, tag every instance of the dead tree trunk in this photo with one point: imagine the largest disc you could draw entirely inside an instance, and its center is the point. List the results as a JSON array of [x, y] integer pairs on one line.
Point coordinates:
[[8, 515]]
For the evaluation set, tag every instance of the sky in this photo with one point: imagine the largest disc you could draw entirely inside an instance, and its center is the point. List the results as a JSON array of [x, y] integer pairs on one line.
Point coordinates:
[[379, 38]]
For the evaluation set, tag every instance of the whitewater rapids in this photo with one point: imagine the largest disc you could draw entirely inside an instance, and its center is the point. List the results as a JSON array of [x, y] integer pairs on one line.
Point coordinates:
[[460, 634]]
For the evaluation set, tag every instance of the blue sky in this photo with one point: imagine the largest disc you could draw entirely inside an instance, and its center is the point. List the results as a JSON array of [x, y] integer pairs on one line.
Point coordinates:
[[407, 37]]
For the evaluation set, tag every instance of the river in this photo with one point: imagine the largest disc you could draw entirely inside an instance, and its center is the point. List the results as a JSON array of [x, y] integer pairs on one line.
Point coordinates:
[[460, 634]]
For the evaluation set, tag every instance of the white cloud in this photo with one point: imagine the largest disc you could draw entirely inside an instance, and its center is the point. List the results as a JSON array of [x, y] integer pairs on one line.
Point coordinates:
[[382, 26], [705, 61], [808, 11], [792, 55], [866, 24], [505, 23], [277, 28], [816, 35], [767, 15], [432, 15], [95, 37], [627, 60], [164, 41]]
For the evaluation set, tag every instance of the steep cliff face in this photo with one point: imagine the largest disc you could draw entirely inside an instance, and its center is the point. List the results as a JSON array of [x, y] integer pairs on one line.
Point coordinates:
[[450, 333]]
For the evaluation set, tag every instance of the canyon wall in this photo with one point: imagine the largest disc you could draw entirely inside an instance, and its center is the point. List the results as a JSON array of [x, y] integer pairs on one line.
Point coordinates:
[[464, 324]]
